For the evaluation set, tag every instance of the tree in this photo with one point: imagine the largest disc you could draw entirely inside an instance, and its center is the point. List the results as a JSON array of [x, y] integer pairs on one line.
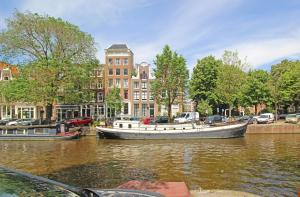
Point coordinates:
[[285, 83], [171, 77], [204, 108], [54, 53], [256, 89], [230, 80], [203, 81], [114, 100]]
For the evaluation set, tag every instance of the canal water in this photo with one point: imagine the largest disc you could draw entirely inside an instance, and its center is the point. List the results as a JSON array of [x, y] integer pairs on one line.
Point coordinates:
[[268, 165]]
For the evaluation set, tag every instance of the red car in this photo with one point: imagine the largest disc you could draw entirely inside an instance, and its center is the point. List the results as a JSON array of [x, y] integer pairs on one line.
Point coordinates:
[[79, 122]]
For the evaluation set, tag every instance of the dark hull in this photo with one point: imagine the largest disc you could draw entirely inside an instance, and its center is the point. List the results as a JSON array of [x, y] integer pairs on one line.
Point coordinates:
[[39, 137], [222, 132]]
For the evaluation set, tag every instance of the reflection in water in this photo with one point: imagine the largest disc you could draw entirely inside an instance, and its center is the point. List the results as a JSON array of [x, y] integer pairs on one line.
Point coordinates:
[[262, 164]]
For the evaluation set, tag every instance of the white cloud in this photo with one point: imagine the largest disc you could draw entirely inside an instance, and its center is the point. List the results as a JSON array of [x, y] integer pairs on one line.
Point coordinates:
[[189, 23], [263, 51], [82, 11]]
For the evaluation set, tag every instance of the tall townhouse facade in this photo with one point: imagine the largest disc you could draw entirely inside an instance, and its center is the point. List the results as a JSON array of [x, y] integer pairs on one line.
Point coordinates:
[[118, 72], [94, 109], [19, 110], [143, 103]]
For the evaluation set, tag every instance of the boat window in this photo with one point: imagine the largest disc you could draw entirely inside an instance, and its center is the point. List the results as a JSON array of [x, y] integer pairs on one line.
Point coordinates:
[[129, 126], [120, 125]]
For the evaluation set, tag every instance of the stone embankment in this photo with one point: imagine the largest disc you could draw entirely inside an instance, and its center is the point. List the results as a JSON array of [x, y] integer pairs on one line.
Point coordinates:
[[274, 128]]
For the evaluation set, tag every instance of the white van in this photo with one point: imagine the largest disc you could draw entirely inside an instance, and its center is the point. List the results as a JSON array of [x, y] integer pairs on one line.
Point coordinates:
[[265, 118], [187, 117]]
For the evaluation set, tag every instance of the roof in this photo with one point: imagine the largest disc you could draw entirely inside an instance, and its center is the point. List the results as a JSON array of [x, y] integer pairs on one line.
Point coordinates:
[[4, 65], [118, 46]]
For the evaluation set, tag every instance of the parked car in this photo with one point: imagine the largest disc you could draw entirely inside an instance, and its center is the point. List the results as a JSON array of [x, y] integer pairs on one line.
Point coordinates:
[[78, 121], [23, 122], [5, 121], [14, 122], [187, 117], [265, 118], [215, 119], [162, 119], [292, 118], [282, 116], [149, 120], [245, 118]]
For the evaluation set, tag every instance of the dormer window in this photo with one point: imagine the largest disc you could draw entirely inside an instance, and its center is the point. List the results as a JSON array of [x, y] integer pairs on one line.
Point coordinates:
[[144, 75]]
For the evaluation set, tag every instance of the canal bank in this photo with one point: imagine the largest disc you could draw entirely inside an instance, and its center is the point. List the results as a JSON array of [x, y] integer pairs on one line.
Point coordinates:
[[275, 128]]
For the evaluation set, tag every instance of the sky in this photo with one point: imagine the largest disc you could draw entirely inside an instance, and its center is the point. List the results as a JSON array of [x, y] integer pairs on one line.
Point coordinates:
[[262, 31]]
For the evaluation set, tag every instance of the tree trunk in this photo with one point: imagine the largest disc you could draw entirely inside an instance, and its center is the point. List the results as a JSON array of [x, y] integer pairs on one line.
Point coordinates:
[[230, 108], [276, 111], [170, 112], [255, 106], [49, 112]]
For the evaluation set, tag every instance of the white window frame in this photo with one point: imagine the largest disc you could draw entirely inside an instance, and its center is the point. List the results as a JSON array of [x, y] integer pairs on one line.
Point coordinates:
[[136, 95]]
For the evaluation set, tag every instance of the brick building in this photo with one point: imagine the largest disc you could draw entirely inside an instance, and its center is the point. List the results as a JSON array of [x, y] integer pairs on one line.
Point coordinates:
[[143, 104], [118, 70]]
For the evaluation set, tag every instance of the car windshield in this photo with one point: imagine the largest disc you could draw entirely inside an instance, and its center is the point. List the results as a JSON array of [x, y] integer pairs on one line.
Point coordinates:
[[182, 115], [14, 184], [264, 116]]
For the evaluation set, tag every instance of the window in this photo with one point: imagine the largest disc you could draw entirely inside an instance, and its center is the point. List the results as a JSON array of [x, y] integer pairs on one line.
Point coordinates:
[[99, 85], [125, 94], [118, 72], [117, 61], [99, 96], [151, 109], [125, 81], [125, 71], [136, 110], [126, 61], [144, 109], [118, 83], [136, 96], [136, 85], [110, 83], [144, 95], [111, 71], [125, 108], [144, 85], [110, 61], [144, 75]]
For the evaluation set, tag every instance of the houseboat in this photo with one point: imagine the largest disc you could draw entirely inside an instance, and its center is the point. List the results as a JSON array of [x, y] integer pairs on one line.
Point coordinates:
[[126, 129]]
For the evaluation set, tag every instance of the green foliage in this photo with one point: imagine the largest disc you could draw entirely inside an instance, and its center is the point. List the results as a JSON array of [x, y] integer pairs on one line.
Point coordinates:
[[171, 77], [203, 81], [256, 89], [57, 58], [230, 81], [285, 82], [114, 100], [33, 37], [204, 108]]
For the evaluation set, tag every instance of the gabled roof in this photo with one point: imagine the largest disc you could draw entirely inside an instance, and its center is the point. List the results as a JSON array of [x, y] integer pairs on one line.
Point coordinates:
[[14, 69], [118, 46]]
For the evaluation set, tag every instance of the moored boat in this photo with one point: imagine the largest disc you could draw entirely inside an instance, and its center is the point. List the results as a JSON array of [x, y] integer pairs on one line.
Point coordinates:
[[123, 129], [36, 133]]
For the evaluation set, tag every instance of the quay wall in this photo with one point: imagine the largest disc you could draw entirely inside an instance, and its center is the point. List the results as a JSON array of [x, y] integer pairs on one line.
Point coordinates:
[[273, 128]]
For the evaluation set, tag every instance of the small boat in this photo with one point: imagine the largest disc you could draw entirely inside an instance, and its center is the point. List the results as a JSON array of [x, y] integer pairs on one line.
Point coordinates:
[[124, 129], [35, 133]]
